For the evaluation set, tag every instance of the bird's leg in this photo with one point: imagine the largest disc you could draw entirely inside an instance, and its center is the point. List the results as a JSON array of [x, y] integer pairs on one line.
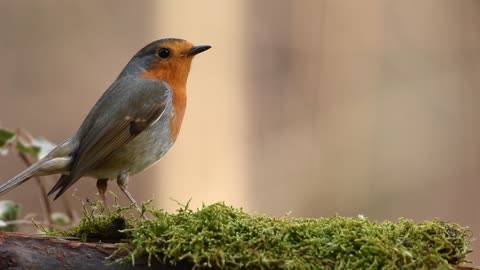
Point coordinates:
[[102, 185], [122, 181]]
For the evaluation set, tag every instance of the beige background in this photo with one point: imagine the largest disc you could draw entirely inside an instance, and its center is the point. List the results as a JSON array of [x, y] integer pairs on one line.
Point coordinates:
[[314, 107]]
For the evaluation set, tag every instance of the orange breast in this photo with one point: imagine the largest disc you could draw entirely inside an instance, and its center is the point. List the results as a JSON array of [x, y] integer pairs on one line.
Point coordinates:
[[177, 79], [179, 105]]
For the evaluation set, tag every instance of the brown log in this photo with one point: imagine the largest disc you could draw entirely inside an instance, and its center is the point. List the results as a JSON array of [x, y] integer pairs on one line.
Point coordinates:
[[22, 251]]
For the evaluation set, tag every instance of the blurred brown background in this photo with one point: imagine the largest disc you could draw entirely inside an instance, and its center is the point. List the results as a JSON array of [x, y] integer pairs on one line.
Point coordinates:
[[314, 107]]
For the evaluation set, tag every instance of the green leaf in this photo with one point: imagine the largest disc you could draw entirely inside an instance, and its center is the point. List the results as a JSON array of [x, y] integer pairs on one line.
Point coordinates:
[[9, 211], [59, 218], [28, 149], [5, 136]]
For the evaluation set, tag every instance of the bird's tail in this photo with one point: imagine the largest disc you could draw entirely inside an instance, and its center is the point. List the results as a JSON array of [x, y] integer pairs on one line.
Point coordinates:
[[20, 178]]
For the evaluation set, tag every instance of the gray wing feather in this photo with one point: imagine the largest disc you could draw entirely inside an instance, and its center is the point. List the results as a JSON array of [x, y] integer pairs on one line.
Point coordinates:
[[128, 107]]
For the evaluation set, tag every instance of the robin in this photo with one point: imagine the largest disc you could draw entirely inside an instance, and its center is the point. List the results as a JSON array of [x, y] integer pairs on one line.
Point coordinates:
[[132, 125]]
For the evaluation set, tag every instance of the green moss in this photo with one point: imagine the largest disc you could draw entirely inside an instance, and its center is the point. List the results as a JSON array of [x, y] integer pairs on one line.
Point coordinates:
[[99, 224], [221, 237]]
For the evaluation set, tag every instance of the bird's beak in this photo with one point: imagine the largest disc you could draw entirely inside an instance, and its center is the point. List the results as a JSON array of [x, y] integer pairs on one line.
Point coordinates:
[[197, 49]]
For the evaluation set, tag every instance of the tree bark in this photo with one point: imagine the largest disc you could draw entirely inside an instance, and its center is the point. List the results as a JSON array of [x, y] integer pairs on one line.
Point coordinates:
[[22, 251]]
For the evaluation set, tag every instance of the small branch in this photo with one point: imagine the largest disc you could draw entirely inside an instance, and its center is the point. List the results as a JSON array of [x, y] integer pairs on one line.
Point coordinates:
[[36, 224], [44, 198], [68, 209], [22, 133], [23, 222]]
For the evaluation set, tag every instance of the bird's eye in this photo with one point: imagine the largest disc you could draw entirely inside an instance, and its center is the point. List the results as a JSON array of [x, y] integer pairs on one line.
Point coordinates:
[[163, 53]]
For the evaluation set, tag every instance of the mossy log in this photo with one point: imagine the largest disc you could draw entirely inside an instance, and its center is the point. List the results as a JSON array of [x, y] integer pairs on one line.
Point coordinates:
[[22, 251], [223, 237]]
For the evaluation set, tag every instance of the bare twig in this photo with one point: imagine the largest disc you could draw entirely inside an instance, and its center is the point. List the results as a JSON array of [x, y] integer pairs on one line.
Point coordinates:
[[23, 134], [24, 222], [44, 198], [43, 191], [68, 209], [66, 203], [36, 224]]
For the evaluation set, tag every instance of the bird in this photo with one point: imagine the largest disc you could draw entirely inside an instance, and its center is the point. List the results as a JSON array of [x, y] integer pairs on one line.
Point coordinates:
[[131, 126]]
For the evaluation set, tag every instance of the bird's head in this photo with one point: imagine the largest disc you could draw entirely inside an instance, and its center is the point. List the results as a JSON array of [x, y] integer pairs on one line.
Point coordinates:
[[166, 59]]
